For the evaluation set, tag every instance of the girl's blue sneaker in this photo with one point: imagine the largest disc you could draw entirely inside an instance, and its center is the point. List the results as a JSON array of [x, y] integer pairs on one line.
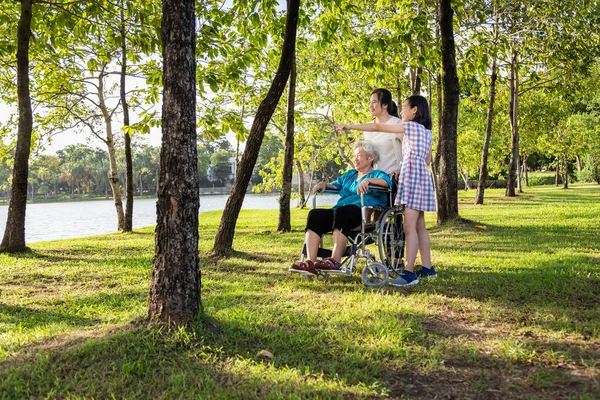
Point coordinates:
[[427, 272], [405, 279]]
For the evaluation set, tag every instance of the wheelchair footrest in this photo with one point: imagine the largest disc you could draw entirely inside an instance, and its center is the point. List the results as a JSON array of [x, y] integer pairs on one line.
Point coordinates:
[[297, 271], [342, 271]]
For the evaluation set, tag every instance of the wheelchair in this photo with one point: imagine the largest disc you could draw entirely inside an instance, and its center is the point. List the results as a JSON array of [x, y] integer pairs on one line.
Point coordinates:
[[381, 226]]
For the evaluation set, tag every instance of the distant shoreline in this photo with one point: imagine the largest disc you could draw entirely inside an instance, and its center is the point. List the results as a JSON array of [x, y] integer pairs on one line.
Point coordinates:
[[55, 199]]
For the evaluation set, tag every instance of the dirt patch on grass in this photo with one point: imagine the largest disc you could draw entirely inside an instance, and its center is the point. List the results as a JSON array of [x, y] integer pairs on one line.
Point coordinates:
[[474, 367]]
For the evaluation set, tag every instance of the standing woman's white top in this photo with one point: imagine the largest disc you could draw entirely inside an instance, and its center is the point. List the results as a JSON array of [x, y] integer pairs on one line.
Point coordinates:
[[389, 147]]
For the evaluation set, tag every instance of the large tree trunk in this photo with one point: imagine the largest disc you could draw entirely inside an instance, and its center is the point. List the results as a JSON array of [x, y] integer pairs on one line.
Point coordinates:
[[514, 146], [128, 223], [224, 239], [113, 178], [175, 286], [14, 233], [436, 158], [448, 174], [439, 107], [483, 168], [301, 189], [284, 224]]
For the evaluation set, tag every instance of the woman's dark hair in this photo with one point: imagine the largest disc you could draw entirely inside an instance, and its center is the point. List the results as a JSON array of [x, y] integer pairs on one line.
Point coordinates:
[[384, 97], [423, 116]]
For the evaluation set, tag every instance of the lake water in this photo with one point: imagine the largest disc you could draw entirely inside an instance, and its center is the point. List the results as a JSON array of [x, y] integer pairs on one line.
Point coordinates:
[[52, 221]]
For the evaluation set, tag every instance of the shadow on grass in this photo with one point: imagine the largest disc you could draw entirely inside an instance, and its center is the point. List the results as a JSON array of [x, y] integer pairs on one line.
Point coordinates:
[[220, 361], [28, 318]]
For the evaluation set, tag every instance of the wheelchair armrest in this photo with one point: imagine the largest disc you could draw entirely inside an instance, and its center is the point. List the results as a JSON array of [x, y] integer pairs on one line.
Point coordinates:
[[378, 188]]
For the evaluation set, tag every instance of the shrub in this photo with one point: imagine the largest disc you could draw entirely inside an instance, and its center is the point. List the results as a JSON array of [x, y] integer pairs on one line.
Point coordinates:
[[543, 179], [590, 172]]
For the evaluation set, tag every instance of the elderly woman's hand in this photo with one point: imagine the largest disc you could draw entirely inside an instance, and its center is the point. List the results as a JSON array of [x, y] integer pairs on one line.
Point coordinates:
[[363, 186], [319, 187]]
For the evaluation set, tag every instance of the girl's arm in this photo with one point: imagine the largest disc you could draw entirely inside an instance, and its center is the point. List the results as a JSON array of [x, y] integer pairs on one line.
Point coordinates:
[[429, 158], [372, 127]]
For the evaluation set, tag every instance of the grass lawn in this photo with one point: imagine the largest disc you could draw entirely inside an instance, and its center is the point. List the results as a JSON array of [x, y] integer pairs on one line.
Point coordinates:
[[515, 314]]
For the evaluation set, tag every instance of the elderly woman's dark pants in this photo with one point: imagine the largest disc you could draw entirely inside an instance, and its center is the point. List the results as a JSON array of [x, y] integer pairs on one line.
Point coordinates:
[[344, 218]]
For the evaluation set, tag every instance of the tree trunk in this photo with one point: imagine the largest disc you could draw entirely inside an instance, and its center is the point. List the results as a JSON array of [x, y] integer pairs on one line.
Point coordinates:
[[112, 155], [513, 118], [399, 92], [14, 233], [415, 80], [525, 168], [578, 161], [128, 223], [565, 172], [448, 179], [301, 184], [175, 285], [141, 187], [483, 169], [224, 239], [464, 177], [556, 173], [439, 92], [284, 224], [157, 181], [436, 158]]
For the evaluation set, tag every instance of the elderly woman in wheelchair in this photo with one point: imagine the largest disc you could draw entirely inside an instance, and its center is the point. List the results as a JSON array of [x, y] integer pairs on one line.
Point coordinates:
[[361, 190]]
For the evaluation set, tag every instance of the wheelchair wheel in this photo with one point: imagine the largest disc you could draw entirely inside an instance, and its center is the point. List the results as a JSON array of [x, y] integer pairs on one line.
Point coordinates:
[[375, 274], [391, 241]]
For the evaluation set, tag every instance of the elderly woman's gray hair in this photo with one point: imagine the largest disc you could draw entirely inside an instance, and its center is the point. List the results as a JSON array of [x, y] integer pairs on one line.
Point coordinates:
[[369, 149]]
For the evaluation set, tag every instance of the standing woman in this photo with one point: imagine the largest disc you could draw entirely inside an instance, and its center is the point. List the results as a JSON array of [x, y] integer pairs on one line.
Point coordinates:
[[389, 146], [415, 186]]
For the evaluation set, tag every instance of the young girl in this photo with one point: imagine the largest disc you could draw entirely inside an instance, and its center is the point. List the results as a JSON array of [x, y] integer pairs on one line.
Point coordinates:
[[415, 187]]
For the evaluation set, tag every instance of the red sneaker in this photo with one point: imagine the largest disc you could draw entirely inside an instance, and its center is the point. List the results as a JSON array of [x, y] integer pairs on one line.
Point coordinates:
[[304, 267]]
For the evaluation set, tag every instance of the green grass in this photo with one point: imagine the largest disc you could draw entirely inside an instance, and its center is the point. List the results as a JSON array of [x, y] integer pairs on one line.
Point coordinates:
[[514, 314]]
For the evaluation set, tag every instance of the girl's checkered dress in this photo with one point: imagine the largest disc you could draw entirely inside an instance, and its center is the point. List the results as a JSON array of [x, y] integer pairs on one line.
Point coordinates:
[[415, 186]]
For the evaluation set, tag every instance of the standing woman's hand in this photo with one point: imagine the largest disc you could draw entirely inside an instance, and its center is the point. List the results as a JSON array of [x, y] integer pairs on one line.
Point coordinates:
[[341, 127]]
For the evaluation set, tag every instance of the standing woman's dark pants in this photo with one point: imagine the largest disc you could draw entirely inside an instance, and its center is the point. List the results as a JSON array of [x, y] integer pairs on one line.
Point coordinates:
[[344, 218]]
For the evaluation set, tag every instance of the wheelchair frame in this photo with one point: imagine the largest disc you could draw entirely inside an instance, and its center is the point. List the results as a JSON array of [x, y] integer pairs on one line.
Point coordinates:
[[381, 225]]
